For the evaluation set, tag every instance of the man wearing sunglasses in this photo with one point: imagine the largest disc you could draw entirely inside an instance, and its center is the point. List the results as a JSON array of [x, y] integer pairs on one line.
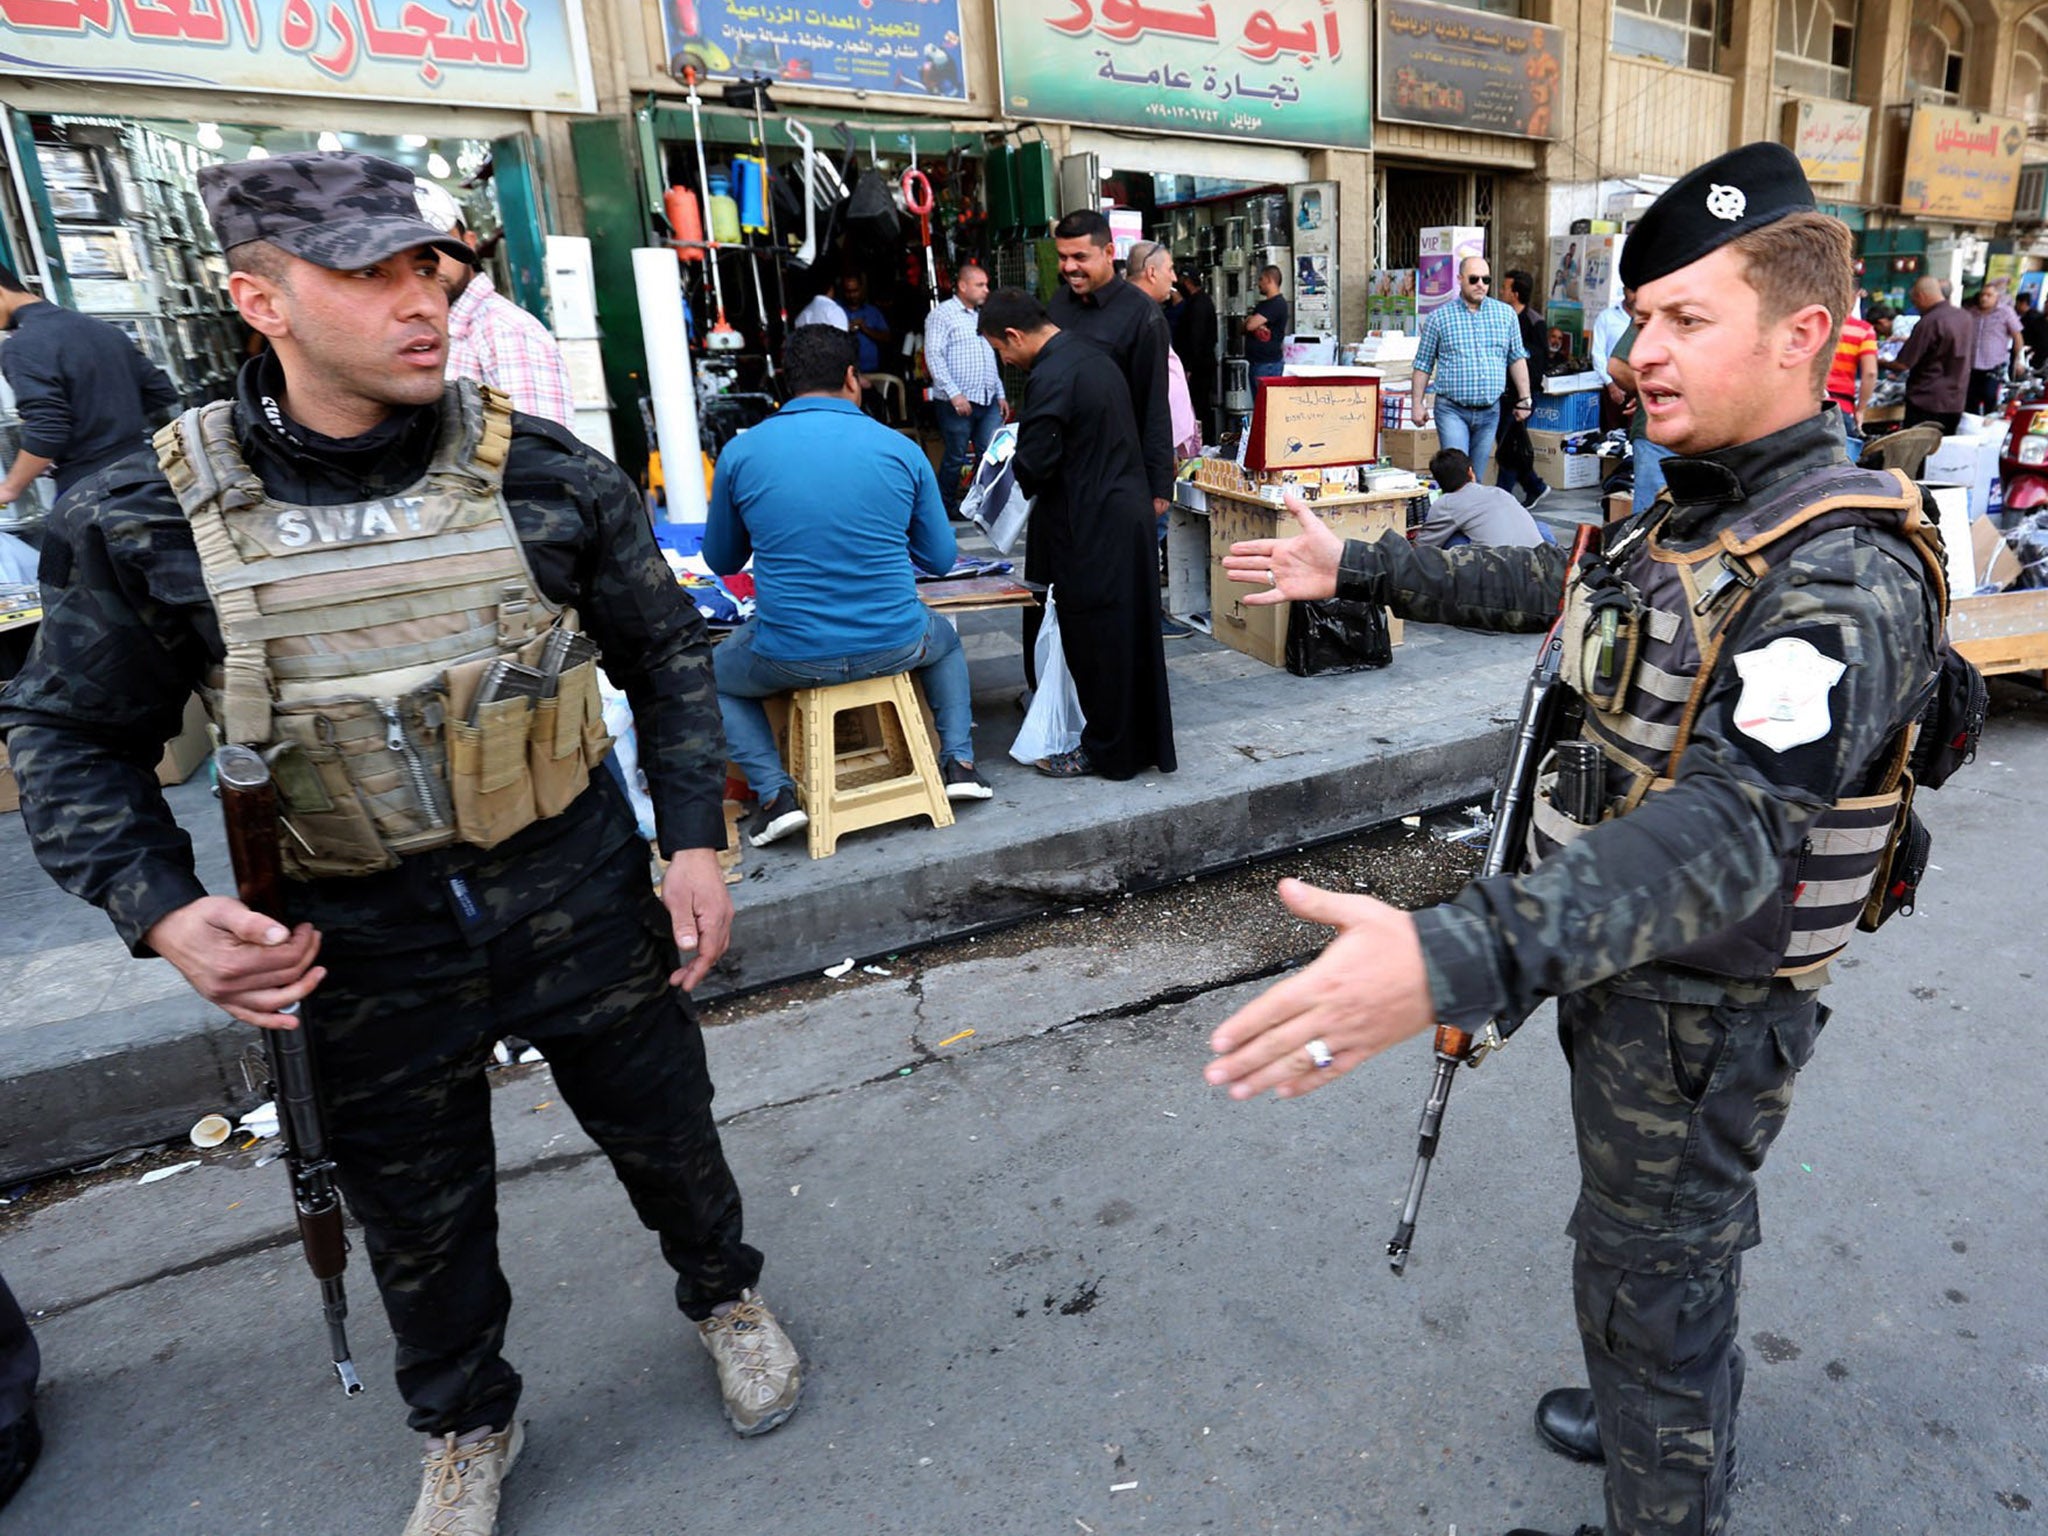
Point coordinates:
[[1469, 353]]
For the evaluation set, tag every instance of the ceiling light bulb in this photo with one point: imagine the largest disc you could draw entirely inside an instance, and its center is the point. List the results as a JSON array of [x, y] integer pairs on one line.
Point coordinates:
[[413, 140], [330, 143], [437, 167], [209, 136], [257, 152]]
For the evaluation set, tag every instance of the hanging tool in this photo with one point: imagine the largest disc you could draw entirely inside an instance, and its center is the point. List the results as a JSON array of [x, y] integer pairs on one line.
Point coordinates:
[[801, 137], [752, 93], [723, 338], [917, 197]]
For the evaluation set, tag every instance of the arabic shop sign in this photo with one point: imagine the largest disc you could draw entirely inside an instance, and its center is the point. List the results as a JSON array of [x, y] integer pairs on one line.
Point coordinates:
[[904, 47], [1962, 165], [1829, 137], [1285, 72], [480, 53], [1447, 67]]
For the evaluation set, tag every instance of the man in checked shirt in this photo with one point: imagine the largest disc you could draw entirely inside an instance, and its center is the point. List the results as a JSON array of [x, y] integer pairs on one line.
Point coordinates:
[[491, 339], [967, 388]]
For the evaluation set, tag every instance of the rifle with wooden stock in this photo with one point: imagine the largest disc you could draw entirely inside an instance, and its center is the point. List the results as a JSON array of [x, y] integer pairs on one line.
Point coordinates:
[[248, 801]]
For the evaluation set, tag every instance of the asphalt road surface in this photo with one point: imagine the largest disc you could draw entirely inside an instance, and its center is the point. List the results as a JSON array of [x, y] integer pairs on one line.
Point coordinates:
[[1049, 1282]]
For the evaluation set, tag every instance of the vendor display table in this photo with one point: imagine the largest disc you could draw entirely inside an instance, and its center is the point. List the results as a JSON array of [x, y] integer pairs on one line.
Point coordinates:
[[1197, 539]]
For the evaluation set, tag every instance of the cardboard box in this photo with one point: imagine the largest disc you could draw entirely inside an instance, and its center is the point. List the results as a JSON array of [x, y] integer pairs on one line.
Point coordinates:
[[1409, 447], [1560, 470], [1260, 631], [1619, 505], [192, 746], [187, 750], [1575, 410], [1996, 565], [1970, 462]]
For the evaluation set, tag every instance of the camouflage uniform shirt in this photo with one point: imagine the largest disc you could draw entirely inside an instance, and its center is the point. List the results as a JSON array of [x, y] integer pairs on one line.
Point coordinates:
[[128, 632], [1706, 853]]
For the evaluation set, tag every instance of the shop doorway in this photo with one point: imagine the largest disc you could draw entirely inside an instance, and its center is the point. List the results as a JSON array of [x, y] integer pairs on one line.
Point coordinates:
[[1412, 199]]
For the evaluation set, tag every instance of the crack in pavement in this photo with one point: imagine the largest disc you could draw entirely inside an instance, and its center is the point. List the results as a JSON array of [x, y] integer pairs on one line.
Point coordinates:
[[1166, 997]]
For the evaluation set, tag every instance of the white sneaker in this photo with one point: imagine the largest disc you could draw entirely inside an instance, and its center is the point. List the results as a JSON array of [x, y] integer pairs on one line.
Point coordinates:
[[460, 1484], [758, 1370]]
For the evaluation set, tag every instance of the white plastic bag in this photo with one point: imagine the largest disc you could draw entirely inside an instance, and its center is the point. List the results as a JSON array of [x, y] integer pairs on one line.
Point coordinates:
[[625, 754], [1054, 721]]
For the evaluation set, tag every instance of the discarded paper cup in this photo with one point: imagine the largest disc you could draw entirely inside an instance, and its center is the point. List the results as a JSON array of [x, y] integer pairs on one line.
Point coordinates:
[[211, 1131]]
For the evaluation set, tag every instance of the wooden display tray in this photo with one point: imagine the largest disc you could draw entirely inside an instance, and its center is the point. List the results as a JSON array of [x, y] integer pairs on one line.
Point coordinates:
[[2002, 631]]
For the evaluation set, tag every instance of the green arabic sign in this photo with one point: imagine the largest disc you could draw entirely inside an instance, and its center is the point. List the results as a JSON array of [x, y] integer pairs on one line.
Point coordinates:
[[1286, 71]]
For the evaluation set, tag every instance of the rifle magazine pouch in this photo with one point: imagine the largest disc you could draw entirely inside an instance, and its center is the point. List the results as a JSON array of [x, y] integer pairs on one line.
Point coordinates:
[[488, 776], [567, 739]]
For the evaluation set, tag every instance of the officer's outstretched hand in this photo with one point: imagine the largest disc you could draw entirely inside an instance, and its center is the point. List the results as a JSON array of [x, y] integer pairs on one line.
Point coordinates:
[[245, 963], [1368, 990], [700, 908], [1300, 569]]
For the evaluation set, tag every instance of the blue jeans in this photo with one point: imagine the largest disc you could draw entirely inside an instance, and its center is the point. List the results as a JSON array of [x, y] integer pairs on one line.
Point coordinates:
[[1649, 472], [1471, 431], [965, 438], [1267, 371], [745, 679]]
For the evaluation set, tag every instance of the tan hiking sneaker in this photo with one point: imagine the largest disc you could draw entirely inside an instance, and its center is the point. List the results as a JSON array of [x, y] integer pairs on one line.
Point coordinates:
[[758, 1370], [459, 1488]]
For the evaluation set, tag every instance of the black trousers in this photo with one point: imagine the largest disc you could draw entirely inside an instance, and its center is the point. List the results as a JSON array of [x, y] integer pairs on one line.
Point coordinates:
[[20, 1360], [1948, 421], [1675, 1106], [402, 1044]]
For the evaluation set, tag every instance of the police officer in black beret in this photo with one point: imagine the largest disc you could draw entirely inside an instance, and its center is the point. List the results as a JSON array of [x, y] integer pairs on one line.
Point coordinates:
[[396, 589], [1750, 653]]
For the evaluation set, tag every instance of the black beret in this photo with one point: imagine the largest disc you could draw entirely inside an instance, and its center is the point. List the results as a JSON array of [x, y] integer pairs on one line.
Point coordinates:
[[1704, 209]]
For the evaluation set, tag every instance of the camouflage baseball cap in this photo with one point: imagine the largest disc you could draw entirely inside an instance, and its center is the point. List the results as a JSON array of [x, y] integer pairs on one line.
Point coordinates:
[[340, 211]]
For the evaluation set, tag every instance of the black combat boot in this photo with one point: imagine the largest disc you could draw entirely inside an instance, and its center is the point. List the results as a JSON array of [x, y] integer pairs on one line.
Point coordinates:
[[1564, 1418]]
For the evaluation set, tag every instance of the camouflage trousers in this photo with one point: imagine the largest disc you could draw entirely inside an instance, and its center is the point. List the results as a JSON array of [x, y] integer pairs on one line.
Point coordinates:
[[402, 1046], [1675, 1105]]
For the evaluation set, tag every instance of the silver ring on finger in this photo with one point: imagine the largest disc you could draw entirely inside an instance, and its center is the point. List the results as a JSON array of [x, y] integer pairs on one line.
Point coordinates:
[[1271, 579], [1320, 1054]]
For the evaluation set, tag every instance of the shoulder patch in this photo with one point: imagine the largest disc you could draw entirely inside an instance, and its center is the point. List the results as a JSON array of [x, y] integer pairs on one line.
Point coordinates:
[[1785, 689]]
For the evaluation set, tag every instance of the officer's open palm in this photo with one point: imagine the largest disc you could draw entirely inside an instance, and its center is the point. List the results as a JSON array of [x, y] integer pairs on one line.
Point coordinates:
[[699, 910], [1366, 991], [247, 964], [1300, 569]]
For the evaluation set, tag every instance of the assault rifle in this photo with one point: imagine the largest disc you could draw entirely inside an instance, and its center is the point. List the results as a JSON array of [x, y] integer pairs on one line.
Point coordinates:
[[1542, 699], [248, 800]]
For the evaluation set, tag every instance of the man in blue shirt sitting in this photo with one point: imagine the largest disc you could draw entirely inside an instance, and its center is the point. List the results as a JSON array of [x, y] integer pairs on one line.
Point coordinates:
[[833, 507]]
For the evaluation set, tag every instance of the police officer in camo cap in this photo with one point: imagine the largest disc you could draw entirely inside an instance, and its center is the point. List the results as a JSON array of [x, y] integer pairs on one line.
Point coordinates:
[[340, 211], [374, 577], [1754, 647]]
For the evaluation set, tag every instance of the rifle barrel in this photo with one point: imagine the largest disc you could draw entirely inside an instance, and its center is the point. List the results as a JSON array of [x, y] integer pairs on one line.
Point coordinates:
[[248, 798]]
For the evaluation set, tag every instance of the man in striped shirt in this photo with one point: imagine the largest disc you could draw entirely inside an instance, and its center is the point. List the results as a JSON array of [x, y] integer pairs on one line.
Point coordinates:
[[967, 387], [491, 339], [1469, 351]]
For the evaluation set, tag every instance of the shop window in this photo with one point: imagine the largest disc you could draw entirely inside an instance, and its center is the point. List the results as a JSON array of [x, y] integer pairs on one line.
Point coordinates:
[[1935, 51], [1688, 33], [1817, 47]]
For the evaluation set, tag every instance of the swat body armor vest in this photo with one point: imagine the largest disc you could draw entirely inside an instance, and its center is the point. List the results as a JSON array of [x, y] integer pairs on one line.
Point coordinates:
[[361, 636], [1640, 648]]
